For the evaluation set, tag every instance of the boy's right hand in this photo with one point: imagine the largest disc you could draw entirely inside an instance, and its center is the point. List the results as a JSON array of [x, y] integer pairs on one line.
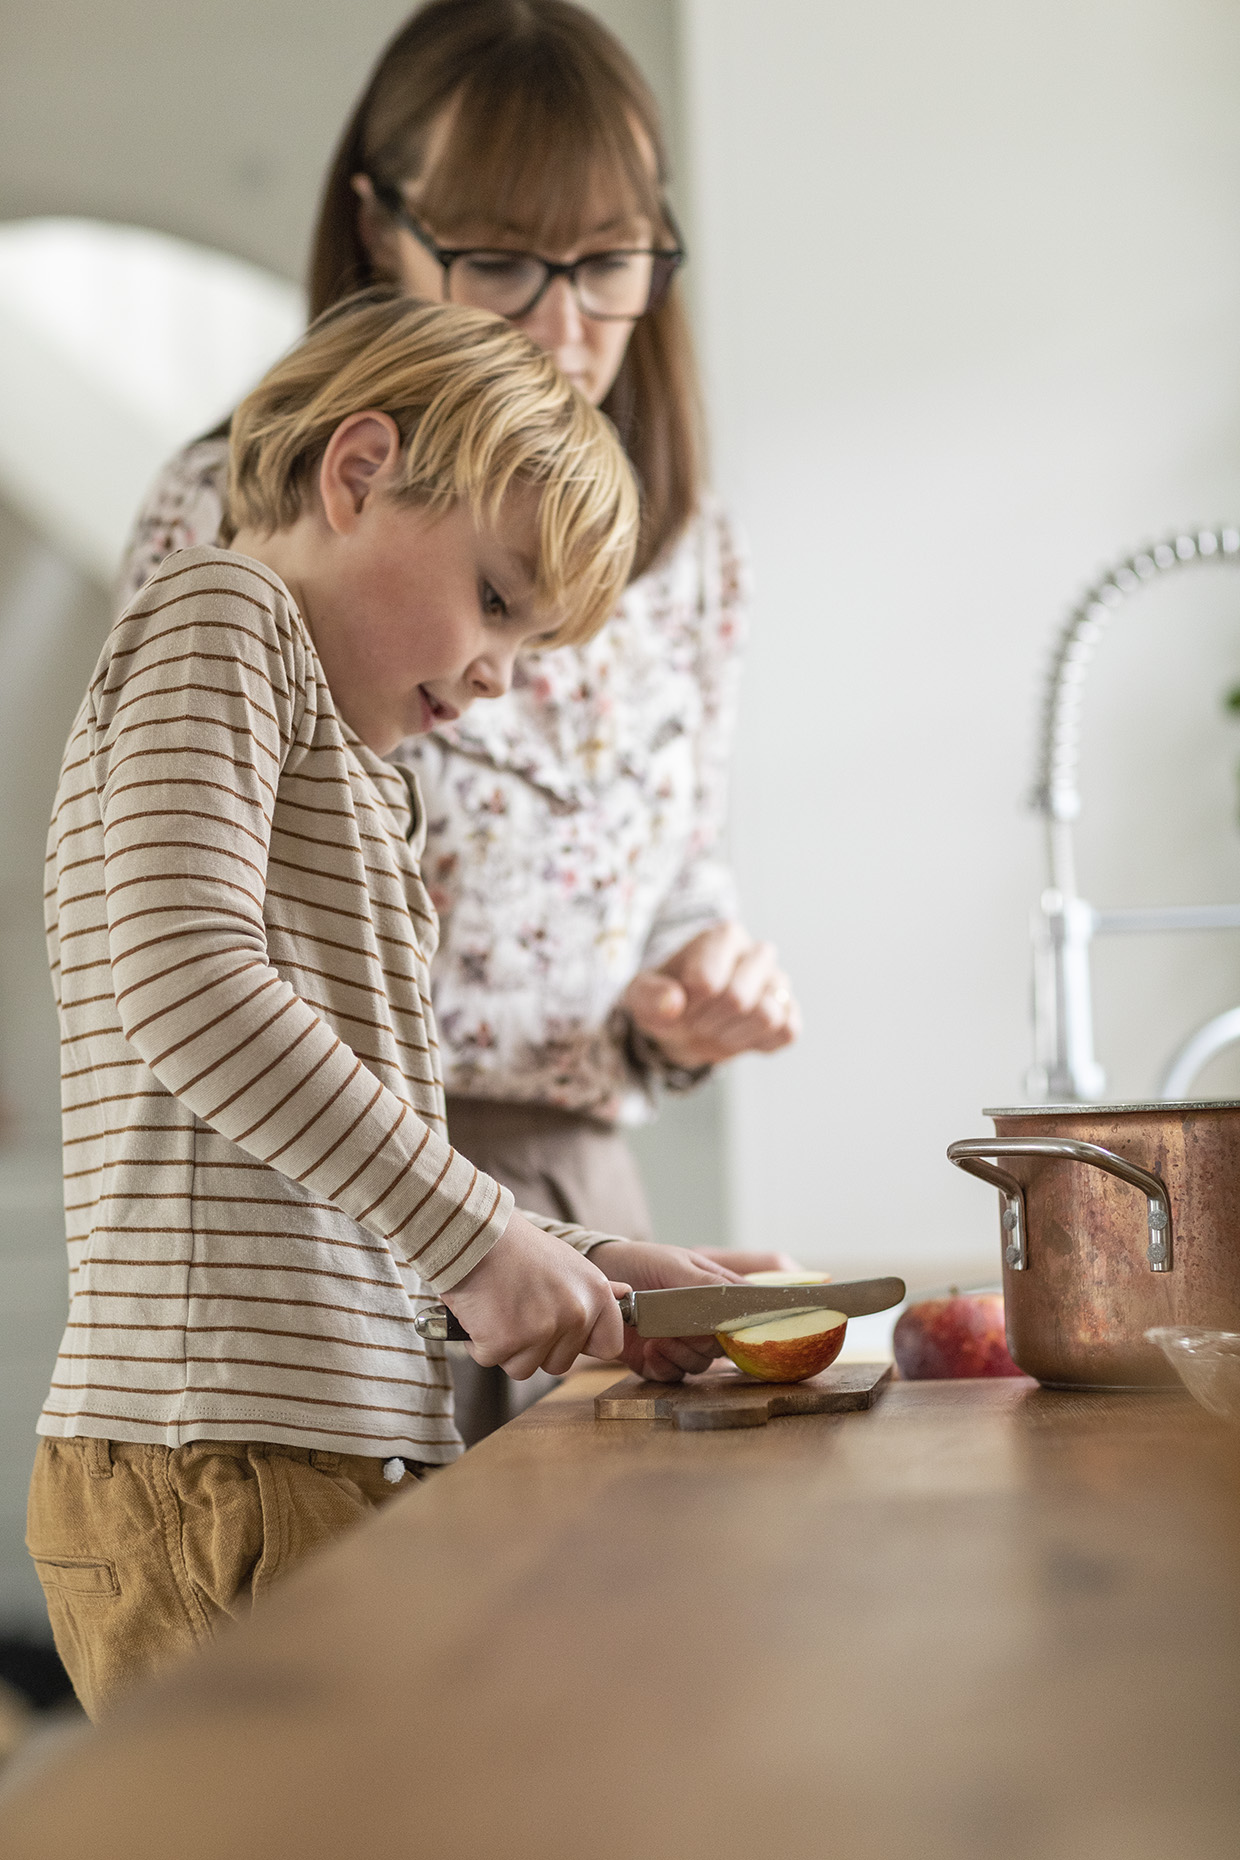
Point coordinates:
[[534, 1303]]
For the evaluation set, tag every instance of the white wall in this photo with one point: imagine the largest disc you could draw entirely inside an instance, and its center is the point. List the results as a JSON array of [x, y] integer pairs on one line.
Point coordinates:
[[969, 284], [213, 122]]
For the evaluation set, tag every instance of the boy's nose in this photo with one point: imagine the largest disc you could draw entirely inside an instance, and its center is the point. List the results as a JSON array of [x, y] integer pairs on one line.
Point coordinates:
[[491, 677]]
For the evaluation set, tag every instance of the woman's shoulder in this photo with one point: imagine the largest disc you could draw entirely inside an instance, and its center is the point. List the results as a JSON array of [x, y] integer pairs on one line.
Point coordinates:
[[182, 510], [709, 542], [702, 577]]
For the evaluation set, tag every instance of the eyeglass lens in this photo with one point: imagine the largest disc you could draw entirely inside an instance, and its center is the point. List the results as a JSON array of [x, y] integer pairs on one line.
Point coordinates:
[[612, 284]]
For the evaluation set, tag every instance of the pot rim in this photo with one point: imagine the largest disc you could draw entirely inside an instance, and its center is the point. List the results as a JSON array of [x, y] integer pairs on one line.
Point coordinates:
[[1177, 1105]]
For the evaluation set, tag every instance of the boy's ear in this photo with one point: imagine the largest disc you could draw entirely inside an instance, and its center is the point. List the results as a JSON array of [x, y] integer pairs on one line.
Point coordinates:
[[362, 451]]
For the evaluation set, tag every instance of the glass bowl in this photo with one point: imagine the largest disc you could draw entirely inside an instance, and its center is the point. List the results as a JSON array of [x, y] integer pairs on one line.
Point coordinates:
[[1207, 1363]]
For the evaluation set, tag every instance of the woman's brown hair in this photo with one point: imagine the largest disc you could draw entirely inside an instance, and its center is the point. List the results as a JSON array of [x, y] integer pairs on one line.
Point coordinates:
[[546, 106]]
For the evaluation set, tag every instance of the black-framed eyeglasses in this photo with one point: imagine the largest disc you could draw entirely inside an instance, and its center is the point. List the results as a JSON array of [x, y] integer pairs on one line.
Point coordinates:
[[619, 286]]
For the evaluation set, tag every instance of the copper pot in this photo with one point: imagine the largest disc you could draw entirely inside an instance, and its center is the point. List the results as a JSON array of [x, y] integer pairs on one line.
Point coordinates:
[[1114, 1218]]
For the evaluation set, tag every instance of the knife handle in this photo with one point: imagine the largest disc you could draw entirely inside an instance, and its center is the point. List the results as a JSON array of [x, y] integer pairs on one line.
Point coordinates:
[[438, 1325]]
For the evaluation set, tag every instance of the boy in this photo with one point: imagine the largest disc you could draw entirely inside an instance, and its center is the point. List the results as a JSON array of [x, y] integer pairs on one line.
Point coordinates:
[[259, 1184]]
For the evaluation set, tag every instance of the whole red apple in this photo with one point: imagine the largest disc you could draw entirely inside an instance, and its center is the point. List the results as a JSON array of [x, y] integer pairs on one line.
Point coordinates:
[[960, 1335]]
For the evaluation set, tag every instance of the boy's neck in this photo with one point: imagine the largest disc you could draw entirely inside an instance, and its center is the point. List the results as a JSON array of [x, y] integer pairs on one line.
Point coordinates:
[[282, 551]]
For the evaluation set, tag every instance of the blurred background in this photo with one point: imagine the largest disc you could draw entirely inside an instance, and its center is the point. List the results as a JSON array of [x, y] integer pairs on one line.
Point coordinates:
[[967, 285]]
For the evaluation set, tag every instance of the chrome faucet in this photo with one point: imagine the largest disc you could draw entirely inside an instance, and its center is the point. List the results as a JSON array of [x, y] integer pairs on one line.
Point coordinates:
[[1065, 1068]]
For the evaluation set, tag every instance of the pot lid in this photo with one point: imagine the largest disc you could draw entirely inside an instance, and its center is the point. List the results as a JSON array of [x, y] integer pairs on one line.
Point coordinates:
[[1112, 1110]]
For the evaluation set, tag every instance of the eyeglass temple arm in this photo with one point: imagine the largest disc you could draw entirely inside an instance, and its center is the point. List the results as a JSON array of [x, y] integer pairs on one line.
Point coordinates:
[[392, 198]]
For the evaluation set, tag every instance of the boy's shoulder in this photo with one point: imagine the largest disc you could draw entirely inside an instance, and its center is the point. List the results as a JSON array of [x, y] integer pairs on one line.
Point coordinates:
[[207, 570], [208, 622]]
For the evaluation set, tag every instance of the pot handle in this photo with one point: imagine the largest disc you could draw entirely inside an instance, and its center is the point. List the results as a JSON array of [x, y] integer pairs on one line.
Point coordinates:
[[973, 1156]]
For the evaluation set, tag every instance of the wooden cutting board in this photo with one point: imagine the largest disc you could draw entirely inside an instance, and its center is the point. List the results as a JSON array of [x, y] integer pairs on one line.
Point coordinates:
[[725, 1398]]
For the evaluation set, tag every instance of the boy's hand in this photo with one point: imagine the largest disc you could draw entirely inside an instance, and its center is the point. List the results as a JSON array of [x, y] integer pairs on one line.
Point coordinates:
[[648, 1268], [747, 1262], [534, 1303], [720, 995]]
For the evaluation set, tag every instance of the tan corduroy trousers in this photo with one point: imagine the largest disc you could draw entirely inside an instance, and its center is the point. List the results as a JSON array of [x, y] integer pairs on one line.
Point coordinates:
[[144, 1552]]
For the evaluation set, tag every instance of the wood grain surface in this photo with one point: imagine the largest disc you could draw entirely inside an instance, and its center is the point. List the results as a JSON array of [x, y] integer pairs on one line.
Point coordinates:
[[979, 1620], [725, 1398]]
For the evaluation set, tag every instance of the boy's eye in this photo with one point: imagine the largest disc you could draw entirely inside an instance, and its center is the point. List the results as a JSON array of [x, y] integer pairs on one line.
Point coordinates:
[[493, 604]]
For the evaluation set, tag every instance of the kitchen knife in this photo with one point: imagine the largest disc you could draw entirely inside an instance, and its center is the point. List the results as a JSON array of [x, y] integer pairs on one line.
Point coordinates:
[[700, 1310]]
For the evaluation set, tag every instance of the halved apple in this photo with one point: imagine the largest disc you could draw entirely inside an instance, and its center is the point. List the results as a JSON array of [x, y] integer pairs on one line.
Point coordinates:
[[786, 1346]]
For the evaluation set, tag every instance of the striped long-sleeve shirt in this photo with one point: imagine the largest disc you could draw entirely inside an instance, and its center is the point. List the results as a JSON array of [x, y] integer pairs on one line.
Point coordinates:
[[575, 827], [259, 1184]]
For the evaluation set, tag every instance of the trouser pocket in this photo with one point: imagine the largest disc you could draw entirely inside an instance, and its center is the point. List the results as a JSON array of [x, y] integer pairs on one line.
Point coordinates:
[[77, 1575], [83, 1596], [101, 1543]]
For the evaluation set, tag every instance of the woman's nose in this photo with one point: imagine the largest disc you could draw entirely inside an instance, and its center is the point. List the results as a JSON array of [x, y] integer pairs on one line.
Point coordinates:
[[557, 322]]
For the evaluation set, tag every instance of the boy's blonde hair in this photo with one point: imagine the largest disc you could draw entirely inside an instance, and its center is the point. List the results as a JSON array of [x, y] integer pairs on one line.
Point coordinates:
[[480, 410]]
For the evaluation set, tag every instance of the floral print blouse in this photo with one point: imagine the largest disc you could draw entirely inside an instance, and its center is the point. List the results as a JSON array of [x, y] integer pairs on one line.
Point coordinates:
[[574, 826]]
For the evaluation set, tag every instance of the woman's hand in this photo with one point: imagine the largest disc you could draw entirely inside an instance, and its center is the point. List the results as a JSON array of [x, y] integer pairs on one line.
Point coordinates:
[[647, 1267], [720, 995]]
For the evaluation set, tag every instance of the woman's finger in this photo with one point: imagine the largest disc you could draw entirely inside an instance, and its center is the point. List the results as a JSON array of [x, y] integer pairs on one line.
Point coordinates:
[[755, 971], [655, 1002], [705, 965], [775, 1041], [785, 1022], [771, 1023]]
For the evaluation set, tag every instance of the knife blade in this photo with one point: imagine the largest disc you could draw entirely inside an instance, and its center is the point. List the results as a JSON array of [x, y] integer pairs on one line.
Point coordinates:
[[700, 1310]]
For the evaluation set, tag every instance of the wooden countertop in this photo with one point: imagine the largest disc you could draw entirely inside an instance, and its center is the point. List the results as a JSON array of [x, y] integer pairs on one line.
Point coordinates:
[[981, 1620]]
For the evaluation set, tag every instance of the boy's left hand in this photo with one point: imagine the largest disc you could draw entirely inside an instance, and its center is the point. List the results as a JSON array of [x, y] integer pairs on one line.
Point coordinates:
[[648, 1268], [748, 1262]]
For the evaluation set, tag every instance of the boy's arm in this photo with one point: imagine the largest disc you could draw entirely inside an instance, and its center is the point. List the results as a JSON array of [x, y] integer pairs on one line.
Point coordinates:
[[200, 704], [645, 1266]]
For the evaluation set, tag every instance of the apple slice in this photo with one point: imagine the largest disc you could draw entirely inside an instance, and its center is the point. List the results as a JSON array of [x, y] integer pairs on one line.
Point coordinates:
[[787, 1346], [786, 1278]]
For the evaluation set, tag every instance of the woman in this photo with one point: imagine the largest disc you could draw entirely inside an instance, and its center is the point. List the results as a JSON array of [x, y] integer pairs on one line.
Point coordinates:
[[508, 154]]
